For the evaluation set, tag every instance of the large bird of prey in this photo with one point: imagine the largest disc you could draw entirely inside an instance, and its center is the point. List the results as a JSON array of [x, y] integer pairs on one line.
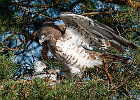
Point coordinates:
[[66, 42]]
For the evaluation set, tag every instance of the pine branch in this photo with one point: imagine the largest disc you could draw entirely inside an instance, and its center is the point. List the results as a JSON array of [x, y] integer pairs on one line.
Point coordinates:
[[38, 6], [35, 12], [124, 2], [126, 79]]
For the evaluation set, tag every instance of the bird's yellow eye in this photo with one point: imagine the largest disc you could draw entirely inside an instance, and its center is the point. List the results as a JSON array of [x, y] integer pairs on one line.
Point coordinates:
[[43, 34]]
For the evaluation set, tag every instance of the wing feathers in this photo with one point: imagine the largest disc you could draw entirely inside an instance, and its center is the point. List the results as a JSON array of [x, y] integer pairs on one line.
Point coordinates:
[[95, 29], [115, 58], [114, 45], [107, 57]]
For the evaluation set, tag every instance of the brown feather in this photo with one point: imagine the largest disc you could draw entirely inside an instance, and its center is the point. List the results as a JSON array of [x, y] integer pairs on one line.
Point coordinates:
[[115, 58], [116, 46], [108, 57]]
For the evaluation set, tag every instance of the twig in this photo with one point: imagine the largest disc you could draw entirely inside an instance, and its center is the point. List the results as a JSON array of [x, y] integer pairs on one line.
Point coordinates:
[[125, 80], [35, 13], [95, 13], [34, 34], [125, 72], [24, 49], [7, 48], [134, 3], [105, 69]]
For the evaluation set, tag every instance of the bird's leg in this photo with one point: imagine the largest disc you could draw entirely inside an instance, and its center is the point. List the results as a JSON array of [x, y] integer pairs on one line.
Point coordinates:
[[44, 52], [105, 69]]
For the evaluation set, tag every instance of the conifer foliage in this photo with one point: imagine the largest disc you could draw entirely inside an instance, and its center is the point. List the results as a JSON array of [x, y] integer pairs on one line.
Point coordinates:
[[19, 24]]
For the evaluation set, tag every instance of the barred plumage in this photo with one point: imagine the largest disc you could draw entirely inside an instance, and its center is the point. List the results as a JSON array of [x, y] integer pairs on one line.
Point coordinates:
[[66, 42]]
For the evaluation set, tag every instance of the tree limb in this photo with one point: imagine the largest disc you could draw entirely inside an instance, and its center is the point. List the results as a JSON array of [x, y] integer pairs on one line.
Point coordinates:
[[95, 13]]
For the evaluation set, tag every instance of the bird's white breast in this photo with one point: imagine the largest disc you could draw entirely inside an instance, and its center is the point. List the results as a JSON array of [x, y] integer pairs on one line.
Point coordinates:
[[71, 53]]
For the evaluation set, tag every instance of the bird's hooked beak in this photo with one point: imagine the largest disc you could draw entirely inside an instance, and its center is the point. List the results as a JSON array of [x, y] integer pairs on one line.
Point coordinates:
[[43, 38]]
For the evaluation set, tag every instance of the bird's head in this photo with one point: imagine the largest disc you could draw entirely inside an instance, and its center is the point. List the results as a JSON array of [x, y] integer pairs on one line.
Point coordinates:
[[49, 32], [45, 32]]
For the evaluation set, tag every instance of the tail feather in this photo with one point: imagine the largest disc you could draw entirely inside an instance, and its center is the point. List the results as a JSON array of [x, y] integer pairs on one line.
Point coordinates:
[[108, 57], [115, 45], [132, 46], [124, 42], [116, 58]]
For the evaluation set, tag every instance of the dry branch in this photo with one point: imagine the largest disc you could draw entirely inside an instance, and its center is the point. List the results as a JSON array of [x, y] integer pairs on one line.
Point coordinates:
[[7, 48], [95, 13], [105, 69], [35, 13], [126, 79]]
